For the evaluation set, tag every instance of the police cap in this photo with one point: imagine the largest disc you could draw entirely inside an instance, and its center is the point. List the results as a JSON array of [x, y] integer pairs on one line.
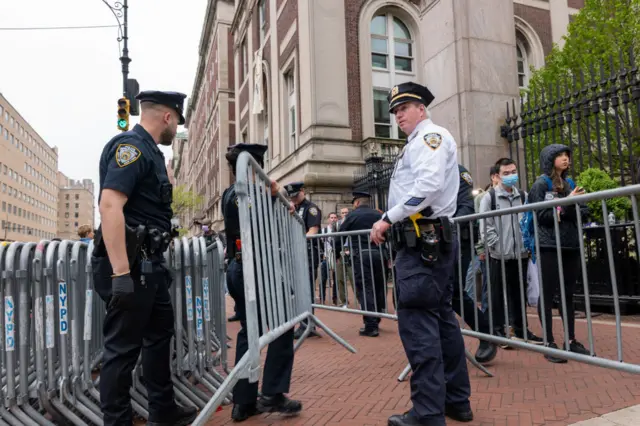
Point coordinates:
[[294, 188], [409, 92], [256, 150], [173, 100], [358, 194]]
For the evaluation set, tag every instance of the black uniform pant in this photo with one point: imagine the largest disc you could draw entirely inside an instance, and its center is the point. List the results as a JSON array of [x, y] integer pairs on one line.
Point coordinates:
[[468, 304], [314, 261], [370, 285], [431, 336], [515, 297], [149, 328], [279, 363]]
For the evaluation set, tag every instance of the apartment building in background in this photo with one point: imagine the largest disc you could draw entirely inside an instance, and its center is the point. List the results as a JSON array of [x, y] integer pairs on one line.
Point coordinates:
[[76, 206], [310, 79], [28, 179]]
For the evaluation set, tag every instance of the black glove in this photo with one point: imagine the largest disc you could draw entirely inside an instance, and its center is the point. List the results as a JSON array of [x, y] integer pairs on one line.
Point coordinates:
[[122, 297]]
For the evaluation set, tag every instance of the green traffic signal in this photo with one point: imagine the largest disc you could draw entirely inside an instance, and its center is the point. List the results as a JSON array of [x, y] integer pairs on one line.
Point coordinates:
[[122, 124]]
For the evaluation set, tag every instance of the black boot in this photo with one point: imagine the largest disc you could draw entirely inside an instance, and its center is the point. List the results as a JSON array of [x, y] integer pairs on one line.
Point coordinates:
[[242, 412], [369, 332], [405, 419], [465, 415], [278, 404], [179, 416], [486, 352]]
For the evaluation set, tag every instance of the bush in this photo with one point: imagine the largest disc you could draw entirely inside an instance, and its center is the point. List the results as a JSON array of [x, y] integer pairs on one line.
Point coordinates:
[[594, 180]]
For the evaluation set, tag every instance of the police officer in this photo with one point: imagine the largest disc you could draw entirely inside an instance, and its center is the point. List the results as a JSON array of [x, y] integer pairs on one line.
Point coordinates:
[[279, 364], [133, 279], [370, 288], [422, 200], [487, 351], [312, 217]]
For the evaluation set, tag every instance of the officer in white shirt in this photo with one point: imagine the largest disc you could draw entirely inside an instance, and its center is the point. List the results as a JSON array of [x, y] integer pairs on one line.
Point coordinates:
[[422, 200]]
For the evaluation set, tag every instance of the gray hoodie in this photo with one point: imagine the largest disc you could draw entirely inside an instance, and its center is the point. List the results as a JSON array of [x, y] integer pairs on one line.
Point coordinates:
[[507, 230]]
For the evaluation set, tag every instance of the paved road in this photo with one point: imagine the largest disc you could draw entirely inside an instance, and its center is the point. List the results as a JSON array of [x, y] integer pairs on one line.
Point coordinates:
[[339, 388]]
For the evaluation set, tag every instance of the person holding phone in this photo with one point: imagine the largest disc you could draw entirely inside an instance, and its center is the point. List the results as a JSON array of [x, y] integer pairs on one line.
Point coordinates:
[[555, 160]]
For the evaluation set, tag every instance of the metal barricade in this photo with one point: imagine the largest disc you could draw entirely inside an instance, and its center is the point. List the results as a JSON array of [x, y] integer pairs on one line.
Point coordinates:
[[510, 285], [276, 286], [52, 334]]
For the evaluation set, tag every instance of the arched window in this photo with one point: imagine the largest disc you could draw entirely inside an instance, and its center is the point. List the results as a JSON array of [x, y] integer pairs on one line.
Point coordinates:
[[392, 62], [522, 65]]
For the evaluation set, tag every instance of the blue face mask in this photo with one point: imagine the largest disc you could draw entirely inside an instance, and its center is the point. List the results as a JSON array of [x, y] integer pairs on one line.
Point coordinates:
[[510, 180]]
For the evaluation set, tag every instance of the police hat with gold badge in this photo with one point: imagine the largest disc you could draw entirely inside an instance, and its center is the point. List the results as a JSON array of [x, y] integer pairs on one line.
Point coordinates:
[[408, 92], [256, 150]]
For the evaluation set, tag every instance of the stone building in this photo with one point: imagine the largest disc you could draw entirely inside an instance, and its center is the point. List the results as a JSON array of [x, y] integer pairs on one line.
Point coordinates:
[[76, 206], [310, 79]]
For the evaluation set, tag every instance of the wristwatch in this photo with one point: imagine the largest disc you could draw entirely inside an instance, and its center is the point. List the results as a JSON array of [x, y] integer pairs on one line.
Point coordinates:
[[386, 219]]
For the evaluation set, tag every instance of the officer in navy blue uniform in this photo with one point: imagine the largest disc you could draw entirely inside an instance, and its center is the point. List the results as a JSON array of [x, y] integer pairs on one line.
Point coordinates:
[[422, 201], [134, 191], [486, 351], [370, 288], [312, 217], [279, 363]]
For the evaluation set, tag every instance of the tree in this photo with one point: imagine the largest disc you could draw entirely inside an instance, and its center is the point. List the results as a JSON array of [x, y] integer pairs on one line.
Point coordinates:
[[583, 96], [185, 200], [593, 180]]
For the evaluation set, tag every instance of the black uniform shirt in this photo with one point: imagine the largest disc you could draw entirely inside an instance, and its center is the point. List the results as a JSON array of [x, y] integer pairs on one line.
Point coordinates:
[[132, 163], [363, 217], [310, 214], [230, 214], [465, 204]]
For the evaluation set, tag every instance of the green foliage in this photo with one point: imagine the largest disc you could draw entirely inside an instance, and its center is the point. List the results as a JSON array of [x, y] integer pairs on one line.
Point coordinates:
[[598, 49], [593, 180], [182, 232], [185, 200]]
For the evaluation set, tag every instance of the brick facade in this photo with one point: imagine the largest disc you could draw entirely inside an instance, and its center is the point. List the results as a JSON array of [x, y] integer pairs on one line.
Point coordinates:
[[352, 15], [540, 21], [576, 4]]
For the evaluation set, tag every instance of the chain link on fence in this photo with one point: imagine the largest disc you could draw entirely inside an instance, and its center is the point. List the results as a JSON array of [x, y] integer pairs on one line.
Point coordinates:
[[52, 331]]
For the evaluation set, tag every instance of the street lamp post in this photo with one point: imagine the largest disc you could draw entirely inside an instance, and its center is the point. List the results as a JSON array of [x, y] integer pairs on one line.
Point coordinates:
[[120, 10]]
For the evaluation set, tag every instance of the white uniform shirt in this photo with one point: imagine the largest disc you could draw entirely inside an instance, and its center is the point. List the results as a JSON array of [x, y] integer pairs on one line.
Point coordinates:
[[425, 174]]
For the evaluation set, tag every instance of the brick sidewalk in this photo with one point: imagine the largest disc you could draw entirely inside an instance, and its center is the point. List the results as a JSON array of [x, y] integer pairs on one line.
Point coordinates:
[[340, 388]]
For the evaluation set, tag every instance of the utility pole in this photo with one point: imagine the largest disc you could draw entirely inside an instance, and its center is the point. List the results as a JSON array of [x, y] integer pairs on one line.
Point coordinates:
[[124, 59]]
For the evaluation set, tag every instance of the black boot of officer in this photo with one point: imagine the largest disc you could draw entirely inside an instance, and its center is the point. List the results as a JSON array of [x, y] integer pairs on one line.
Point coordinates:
[[279, 363], [139, 316]]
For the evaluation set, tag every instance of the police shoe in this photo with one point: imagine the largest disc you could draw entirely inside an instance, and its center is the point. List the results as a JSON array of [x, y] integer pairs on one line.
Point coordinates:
[[486, 352], [279, 403], [460, 415], [369, 332], [179, 416], [242, 412], [405, 419]]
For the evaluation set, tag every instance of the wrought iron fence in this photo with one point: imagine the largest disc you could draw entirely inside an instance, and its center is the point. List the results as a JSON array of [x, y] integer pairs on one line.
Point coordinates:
[[596, 114]]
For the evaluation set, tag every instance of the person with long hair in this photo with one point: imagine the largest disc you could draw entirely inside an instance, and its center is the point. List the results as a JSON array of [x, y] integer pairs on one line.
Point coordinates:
[[555, 160]]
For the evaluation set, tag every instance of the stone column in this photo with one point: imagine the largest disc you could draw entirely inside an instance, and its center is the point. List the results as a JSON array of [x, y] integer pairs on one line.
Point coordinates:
[[470, 65], [559, 10], [324, 106]]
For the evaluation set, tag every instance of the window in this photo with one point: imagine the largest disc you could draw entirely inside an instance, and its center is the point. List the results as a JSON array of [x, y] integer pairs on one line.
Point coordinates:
[[66, 215], [263, 20], [76, 215], [392, 63], [77, 196], [292, 117], [396, 55], [67, 205], [66, 197], [245, 60], [522, 66], [75, 224]]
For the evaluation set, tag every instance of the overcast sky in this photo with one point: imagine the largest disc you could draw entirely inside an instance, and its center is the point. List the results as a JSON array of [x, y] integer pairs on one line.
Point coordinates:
[[66, 83]]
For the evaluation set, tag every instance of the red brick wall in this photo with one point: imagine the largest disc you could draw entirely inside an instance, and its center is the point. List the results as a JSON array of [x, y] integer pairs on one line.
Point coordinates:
[[540, 21], [279, 3], [352, 16], [287, 18], [576, 4], [231, 59]]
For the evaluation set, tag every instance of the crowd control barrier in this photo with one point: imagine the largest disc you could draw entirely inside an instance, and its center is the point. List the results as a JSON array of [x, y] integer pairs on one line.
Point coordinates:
[[340, 276], [52, 331], [277, 285]]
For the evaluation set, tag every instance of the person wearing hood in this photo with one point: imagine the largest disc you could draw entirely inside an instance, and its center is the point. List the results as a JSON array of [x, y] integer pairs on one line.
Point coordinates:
[[555, 160]]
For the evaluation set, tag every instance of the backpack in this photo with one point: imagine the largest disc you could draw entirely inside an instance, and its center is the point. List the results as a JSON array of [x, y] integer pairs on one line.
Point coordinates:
[[526, 223]]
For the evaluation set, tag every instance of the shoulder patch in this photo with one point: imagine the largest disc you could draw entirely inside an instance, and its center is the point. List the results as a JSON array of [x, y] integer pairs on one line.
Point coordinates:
[[313, 211], [467, 178], [433, 140], [127, 154]]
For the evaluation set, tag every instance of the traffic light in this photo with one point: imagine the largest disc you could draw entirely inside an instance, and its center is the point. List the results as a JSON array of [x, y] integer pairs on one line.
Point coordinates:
[[123, 114]]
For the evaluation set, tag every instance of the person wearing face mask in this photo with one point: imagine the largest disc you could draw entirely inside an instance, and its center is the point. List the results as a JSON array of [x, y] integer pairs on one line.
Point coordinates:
[[504, 240], [555, 160], [134, 191]]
